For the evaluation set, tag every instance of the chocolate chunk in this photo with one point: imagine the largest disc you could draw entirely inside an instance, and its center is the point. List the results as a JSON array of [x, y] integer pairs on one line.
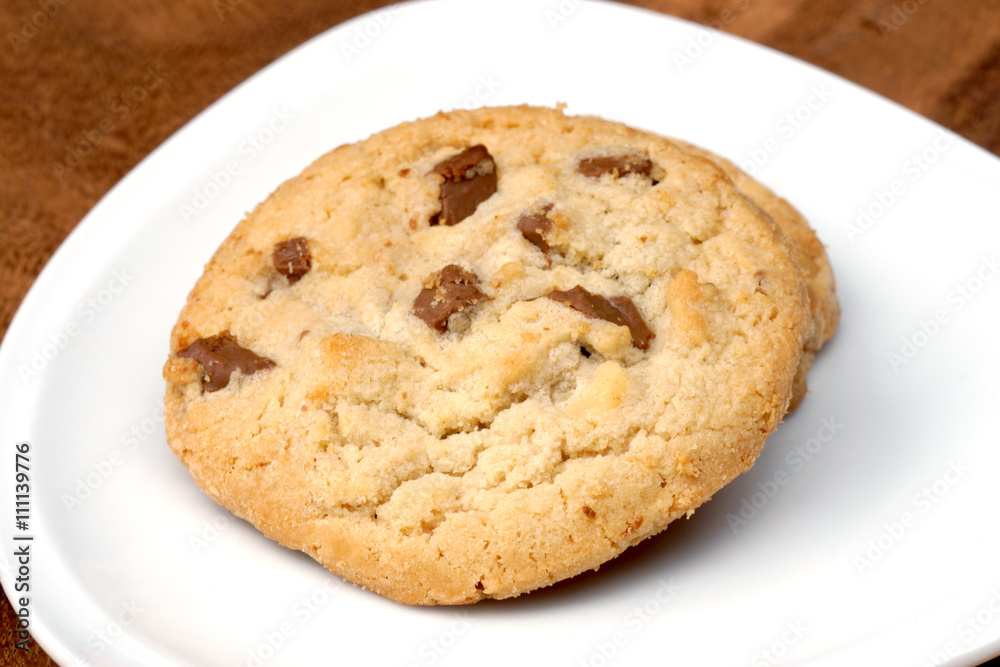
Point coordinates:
[[220, 355], [534, 227], [616, 165], [292, 258], [470, 178], [588, 303], [451, 290], [641, 334], [618, 310]]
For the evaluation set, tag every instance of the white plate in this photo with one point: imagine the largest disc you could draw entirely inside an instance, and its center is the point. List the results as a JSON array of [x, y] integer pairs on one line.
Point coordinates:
[[865, 535]]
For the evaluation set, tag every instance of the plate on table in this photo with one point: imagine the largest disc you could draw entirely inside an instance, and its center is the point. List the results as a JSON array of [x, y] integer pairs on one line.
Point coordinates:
[[864, 535]]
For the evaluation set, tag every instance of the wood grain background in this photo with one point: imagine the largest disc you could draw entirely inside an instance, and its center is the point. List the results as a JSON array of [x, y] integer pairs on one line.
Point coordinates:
[[67, 68]]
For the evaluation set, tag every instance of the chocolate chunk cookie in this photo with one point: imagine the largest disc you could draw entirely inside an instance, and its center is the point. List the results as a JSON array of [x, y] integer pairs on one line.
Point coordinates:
[[482, 352]]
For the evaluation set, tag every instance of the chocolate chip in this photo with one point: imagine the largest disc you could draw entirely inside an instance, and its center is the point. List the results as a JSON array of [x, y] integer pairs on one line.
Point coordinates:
[[641, 334], [451, 290], [618, 310], [292, 258], [470, 178], [220, 355], [588, 303], [534, 227], [589, 512], [616, 165]]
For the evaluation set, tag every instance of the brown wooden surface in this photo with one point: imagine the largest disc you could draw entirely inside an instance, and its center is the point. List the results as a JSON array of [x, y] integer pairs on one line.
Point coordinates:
[[68, 79]]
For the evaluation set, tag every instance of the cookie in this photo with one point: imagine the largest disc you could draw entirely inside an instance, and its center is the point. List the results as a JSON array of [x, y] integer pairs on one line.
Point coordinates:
[[811, 255], [482, 352]]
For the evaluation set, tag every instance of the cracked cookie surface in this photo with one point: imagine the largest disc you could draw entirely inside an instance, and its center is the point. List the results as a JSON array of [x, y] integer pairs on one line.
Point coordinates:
[[485, 351]]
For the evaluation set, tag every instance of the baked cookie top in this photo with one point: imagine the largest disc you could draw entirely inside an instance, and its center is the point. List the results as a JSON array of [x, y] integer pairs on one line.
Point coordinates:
[[482, 352], [809, 252]]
